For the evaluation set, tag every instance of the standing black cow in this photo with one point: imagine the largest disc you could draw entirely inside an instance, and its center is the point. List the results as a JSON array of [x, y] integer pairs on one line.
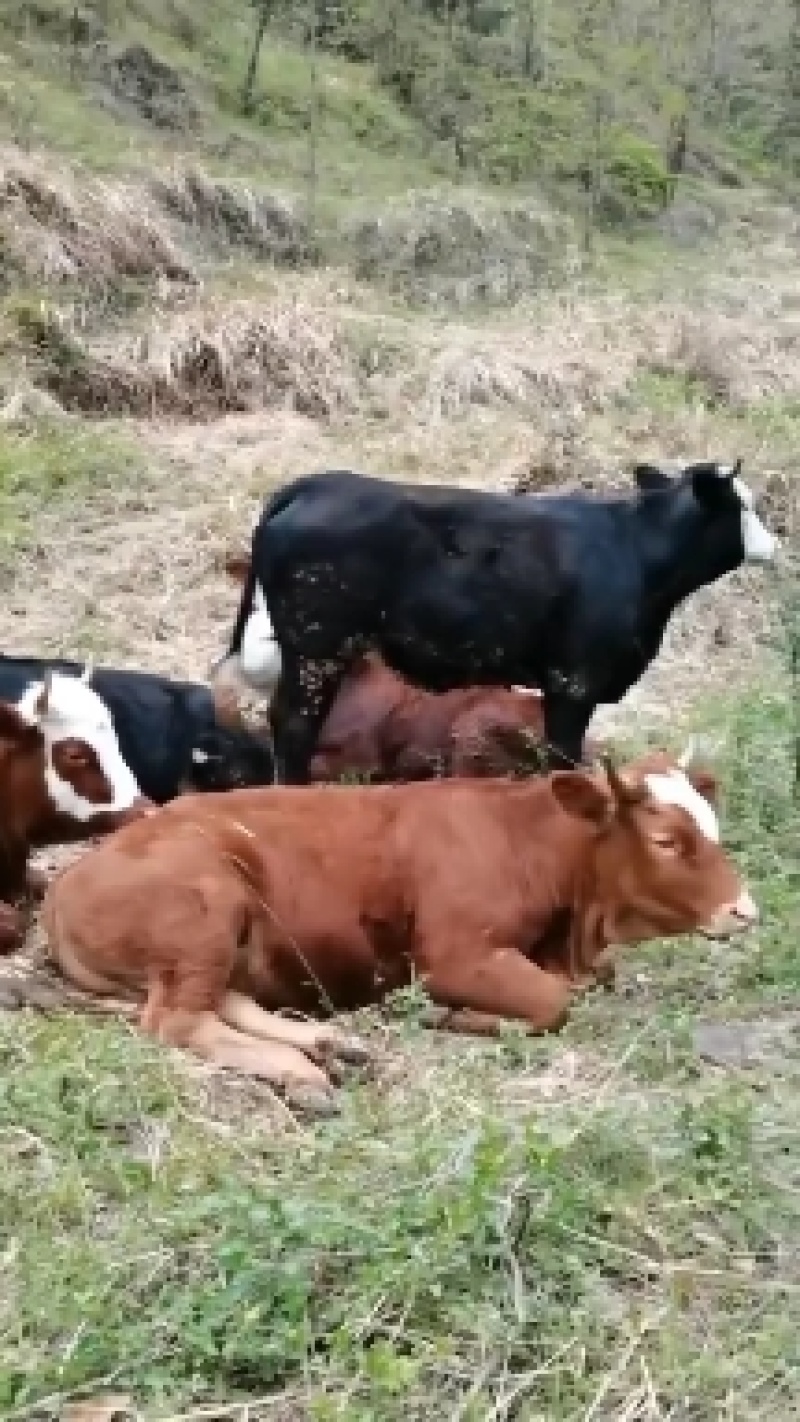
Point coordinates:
[[169, 732], [568, 592]]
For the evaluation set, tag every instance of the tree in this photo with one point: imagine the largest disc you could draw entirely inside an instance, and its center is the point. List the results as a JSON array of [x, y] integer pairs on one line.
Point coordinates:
[[265, 9]]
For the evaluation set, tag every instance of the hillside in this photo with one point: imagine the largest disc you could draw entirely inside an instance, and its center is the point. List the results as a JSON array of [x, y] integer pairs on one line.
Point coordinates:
[[438, 241]]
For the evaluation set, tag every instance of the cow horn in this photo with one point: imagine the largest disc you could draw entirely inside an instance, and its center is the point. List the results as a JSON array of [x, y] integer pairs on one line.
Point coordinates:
[[687, 756], [624, 790], [88, 672], [42, 704]]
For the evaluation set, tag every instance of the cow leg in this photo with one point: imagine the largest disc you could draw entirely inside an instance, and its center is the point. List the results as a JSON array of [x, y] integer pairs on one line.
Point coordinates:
[[282, 1065], [503, 985], [316, 1039], [566, 721], [303, 698]]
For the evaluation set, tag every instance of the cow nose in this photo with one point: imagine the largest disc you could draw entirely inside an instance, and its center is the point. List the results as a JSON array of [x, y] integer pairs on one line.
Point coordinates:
[[745, 908], [734, 917]]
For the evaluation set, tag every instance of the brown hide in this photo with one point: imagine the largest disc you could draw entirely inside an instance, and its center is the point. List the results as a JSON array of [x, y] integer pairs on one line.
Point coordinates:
[[502, 896], [382, 727]]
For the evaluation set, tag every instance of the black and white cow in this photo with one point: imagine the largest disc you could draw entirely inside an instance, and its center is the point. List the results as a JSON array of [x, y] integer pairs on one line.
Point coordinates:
[[169, 732], [571, 593]]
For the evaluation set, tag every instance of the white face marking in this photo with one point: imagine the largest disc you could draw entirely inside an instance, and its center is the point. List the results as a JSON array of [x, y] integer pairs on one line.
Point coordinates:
[[76, 712], [760, 546], [675, 788], [260, 655]]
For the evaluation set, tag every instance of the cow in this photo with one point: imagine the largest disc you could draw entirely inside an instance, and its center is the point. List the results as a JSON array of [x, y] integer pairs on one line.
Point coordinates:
[[62, 778], [382, 728], [568, 592], [174, 735], [504, 897]]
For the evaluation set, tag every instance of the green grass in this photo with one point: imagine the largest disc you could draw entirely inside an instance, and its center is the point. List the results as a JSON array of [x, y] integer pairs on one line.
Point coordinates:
[[56, 462], [526, 1228]]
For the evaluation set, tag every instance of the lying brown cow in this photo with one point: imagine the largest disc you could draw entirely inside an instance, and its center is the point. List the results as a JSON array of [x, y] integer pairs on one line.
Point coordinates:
[[62, 777], [383, 727], [502, 896]]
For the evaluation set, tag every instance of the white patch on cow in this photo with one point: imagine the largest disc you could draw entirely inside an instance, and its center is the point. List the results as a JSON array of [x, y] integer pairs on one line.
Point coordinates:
[[675, 788], [528, 691], [760, 546], [200, 757], [260, 655], [75, 712]]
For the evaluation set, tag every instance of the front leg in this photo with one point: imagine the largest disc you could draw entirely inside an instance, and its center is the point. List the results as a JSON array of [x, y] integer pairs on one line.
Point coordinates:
[[497, 984]]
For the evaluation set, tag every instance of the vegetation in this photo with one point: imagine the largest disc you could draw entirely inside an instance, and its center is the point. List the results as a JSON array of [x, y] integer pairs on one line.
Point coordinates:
[[506, 242]]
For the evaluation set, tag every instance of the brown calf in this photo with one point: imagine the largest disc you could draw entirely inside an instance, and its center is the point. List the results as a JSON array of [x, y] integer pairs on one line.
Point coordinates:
[[62, 777], [502, 896], [382, 726]]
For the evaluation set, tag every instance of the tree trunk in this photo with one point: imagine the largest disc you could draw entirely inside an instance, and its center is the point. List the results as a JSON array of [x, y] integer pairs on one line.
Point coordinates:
[[252, 67]]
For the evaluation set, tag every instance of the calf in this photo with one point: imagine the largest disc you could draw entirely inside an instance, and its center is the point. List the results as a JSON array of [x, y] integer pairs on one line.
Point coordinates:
[[62, 777], [174, 735], [502, 896], [382, 727], [455, 587]]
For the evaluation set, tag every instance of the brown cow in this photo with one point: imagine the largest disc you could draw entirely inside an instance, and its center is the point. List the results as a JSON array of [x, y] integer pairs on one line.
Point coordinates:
[[62, 777], [502, 896], [382, 726]]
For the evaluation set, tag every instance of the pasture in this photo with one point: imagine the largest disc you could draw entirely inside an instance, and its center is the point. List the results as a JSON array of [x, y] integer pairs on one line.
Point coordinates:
[[596, 1227]]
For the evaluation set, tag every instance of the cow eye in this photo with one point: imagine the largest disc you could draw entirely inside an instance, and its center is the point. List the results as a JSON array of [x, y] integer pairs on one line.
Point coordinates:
[[75, 754]]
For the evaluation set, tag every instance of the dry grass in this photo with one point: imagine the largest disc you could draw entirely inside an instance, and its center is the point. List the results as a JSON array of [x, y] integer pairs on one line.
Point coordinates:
[[204, 362], [67, 226]]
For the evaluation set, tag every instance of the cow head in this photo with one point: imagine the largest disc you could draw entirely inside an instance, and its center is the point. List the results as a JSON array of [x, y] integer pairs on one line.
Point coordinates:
[[62, 757], [731, 525], [656, 867]]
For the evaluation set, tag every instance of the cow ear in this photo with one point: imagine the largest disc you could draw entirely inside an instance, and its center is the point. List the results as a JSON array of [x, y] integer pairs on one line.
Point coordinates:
[[711, 485], [14, 727], [582, 796], [237, 566], [705, 783], [649, 479]]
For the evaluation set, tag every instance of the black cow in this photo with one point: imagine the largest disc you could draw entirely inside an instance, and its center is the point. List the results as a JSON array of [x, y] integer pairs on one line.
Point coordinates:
[[453, 587], [169, 732]]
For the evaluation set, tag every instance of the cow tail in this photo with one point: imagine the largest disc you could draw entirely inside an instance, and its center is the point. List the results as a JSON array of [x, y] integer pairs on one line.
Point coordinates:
[[278, 501], [245, 608]]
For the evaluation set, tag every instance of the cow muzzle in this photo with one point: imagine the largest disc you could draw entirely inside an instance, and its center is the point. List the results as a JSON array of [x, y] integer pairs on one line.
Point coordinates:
[[733, 918]]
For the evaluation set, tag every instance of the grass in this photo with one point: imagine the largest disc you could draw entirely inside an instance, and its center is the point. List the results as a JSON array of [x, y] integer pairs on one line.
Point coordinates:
[[49, 463], [555, 1229], [592, 1228]]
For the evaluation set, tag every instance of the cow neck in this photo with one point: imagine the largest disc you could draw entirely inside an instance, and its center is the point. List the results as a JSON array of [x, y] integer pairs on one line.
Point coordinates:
[[561, 877], [677, 558]]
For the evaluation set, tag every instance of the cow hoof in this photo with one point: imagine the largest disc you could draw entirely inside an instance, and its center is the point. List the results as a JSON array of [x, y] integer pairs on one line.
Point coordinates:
[[311, 1100], [351, 1050]]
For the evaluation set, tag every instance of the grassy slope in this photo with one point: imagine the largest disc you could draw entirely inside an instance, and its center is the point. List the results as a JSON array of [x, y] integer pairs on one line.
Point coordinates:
[[601, 1226]]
